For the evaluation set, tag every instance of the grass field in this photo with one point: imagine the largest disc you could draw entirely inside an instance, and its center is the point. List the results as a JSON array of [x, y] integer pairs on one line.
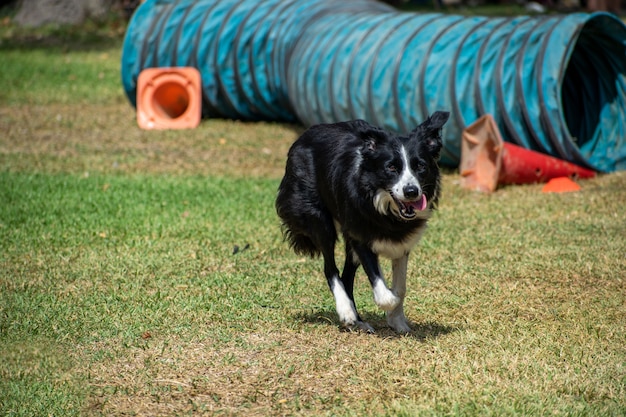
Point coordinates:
[[144, 273]]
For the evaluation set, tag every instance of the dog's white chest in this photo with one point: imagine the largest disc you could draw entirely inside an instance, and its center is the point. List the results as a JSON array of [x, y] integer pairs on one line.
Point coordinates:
[[394, 249]]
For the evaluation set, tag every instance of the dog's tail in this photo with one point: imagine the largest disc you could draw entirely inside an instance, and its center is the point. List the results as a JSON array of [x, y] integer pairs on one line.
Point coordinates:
[[300, 243]]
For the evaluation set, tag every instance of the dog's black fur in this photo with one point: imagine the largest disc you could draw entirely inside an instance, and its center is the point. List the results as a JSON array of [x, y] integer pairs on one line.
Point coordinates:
[[374, 188]]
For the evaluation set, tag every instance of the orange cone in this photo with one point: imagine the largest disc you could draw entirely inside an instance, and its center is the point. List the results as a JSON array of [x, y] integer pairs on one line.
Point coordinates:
[[560, 185], [487, 161], [169, 98]]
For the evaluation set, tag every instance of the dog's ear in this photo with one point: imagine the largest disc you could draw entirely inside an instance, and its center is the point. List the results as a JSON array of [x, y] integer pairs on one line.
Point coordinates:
[[369, 144], [372, 137], [437, 120], [430, 132], [434, 145]]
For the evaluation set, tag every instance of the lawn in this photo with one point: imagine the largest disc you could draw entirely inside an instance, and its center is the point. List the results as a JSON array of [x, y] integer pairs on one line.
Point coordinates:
[[144, 273]]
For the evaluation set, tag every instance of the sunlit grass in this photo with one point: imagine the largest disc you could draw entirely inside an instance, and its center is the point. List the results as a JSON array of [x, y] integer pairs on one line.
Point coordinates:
[[144, 273], [514, 310]]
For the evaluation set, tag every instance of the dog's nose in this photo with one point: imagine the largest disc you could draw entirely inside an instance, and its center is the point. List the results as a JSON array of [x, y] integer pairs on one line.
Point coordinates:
[[411, 191]]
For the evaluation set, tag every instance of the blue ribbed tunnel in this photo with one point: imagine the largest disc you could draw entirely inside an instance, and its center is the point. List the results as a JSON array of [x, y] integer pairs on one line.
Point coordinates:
[[555, 84]]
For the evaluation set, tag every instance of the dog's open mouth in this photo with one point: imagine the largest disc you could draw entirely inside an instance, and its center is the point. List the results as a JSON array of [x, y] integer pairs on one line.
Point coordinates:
[[409, 209]]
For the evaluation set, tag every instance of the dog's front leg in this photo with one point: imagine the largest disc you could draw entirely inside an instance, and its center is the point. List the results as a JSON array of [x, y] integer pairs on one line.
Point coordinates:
[[383, 296], [395, 317]]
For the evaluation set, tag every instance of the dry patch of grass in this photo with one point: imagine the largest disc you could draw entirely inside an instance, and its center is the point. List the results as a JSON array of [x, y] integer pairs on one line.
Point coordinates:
[[494, 361], [260, 373], [105, 138]]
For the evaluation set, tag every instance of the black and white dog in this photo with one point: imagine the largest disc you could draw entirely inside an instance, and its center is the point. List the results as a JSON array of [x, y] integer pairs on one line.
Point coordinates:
[[377, 190]]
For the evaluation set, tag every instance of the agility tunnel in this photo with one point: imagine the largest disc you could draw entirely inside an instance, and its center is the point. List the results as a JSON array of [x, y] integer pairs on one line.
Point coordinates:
[[554, 84]]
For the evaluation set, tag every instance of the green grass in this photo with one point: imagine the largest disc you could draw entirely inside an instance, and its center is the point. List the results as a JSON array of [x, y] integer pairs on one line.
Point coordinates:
[[67, 77], [121, 294], [127, 283], [118, 242]]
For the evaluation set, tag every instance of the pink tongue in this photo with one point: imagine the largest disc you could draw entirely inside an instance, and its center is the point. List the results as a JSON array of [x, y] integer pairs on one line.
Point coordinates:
[[420, 204]]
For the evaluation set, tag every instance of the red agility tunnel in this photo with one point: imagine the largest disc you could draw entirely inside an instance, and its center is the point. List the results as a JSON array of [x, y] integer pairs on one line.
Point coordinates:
[[487, 161]]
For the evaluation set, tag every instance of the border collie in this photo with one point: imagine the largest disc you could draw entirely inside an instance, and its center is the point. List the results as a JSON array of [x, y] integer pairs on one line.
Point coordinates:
[[375, 189]]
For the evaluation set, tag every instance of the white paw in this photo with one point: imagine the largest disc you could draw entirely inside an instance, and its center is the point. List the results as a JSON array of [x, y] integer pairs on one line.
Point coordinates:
[[350, 321], [384, 297], [347, 316], [345, 307]]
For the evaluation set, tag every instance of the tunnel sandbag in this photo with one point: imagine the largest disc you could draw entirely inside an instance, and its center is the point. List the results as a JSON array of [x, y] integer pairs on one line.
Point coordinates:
[[555, 84]]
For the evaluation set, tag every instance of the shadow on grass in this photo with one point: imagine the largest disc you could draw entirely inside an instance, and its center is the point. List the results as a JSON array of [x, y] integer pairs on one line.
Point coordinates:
[[420, 331], [93, 35], [60, 42]]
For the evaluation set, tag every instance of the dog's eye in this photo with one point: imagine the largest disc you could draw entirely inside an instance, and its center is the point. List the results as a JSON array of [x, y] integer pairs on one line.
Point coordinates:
[[392, 168], [419, 166]]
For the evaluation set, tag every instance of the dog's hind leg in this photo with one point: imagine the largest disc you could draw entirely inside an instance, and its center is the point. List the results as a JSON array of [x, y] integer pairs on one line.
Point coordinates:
[[395, 317], [344, 302], [347, 279]]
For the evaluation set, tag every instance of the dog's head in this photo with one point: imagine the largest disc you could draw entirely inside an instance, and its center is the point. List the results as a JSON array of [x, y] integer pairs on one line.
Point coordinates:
[[403, 169]]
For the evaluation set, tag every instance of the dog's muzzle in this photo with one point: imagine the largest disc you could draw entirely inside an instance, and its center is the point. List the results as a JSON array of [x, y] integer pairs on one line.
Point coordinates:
[[409, 209]]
